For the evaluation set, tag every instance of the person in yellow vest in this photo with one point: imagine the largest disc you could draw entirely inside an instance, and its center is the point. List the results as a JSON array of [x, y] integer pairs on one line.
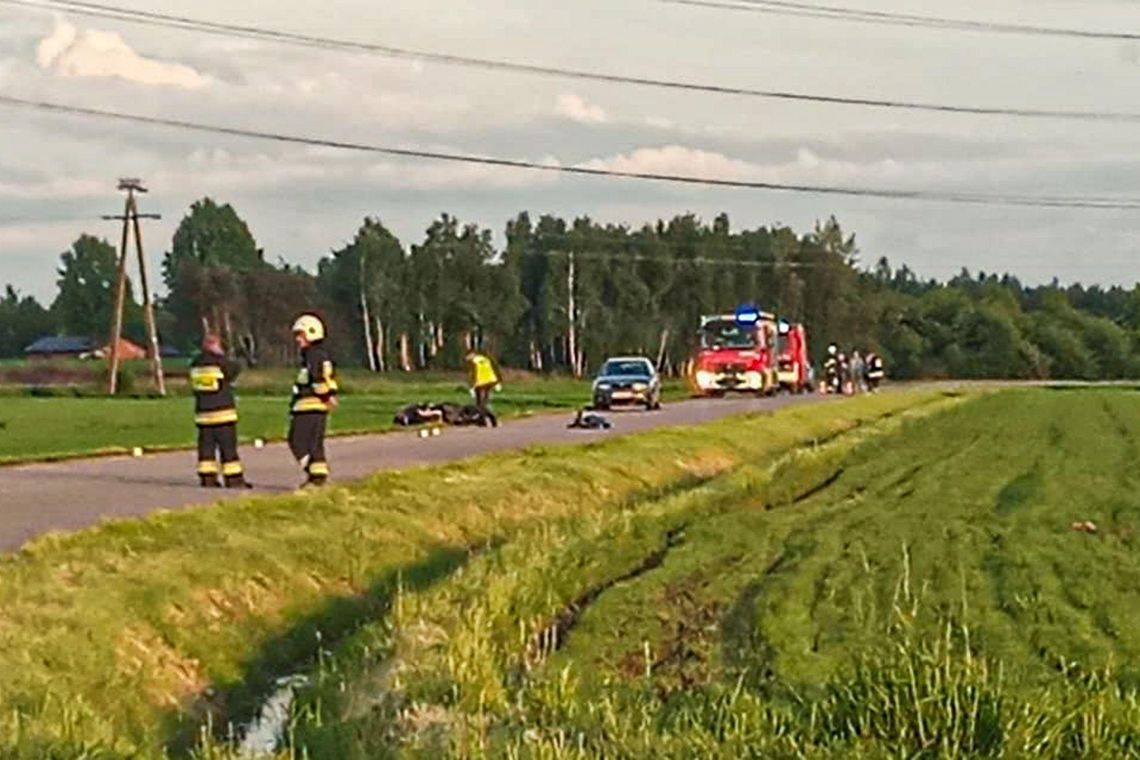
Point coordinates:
[[212, 378], [483, 379], [314, 396]]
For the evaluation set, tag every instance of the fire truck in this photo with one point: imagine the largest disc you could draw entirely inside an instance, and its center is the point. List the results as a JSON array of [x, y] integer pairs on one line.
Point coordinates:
[[750, 351]]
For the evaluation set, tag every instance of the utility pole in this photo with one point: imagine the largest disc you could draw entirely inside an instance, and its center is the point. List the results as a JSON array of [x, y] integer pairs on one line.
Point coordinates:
[[130, 219]]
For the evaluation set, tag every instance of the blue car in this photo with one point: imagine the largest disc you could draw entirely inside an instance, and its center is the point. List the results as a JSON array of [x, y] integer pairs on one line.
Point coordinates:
[[627, 381]]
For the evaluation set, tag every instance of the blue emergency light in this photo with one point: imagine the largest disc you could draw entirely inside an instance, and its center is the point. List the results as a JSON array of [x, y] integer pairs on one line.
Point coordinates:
[[747, 315]]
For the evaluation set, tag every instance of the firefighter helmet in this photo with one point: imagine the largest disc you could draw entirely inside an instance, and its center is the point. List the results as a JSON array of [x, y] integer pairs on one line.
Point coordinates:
[[310, 326]]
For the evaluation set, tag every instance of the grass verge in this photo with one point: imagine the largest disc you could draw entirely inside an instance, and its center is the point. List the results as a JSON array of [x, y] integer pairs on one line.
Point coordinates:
[[911, 589], [125, 639]]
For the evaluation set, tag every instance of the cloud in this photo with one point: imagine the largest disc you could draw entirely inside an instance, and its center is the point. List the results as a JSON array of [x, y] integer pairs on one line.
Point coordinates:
[[57, 188], [88, 53], [575, 108], [675, 159], [441, 175], [326, 168]]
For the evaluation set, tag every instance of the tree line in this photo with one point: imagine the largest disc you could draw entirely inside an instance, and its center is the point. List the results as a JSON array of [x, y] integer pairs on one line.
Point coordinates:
[[562, 295]]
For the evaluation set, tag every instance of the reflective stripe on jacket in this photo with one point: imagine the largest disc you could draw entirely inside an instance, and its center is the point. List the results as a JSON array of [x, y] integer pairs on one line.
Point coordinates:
[[316, 382], [211, 380]]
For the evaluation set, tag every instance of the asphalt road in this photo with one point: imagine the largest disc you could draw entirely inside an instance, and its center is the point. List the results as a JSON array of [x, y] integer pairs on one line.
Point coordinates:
[[35, 499]]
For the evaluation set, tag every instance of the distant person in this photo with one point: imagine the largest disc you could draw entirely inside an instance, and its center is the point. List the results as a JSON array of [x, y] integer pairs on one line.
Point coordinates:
[[833, 370], [844, 374], [314, 397], [875, 372], [858, 372], [212, 378], [483, 377]]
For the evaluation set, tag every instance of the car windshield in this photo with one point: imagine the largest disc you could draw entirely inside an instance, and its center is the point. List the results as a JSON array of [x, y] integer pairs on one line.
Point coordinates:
[[726, 334], [623, 368]]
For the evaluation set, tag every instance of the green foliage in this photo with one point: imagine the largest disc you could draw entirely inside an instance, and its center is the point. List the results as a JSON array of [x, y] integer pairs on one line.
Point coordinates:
[[22, 321], [636, 290], [644, 290], [87, 290], [218, 280], [362, 290], [210, 247]]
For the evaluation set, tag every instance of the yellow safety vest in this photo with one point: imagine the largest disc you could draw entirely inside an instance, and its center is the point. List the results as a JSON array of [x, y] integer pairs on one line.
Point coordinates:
[[484, 371]]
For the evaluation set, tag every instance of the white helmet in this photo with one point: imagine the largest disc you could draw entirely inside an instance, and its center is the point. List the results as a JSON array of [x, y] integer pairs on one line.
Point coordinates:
[[310, 326], [832, 349]]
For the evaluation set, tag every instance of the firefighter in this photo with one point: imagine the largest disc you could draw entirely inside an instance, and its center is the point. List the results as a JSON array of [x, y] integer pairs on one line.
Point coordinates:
[[215, 412], [858, 372], [833, 369], [875, 372], [314, 396], [483, 379]]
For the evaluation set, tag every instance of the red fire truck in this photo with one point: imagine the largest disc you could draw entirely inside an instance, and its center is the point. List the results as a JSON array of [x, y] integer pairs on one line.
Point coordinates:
[[736, 353], [750, 351]]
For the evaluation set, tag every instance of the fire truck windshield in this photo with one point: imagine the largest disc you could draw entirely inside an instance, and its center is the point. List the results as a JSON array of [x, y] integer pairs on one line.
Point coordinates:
[[727, 334]]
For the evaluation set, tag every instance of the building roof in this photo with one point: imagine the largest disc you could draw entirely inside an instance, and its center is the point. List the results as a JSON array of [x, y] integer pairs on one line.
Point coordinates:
[[60, 345]]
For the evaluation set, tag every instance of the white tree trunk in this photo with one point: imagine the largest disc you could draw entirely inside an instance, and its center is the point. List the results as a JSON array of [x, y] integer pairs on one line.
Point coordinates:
[[661, 348], [432, 348], [380, 347], [572, 319], [369, 345], [535, 357], [229, 329], [405, 353]]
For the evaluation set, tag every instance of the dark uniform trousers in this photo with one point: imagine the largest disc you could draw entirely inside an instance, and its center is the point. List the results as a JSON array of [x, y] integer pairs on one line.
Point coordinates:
[[483, 402], [219, 443], [307, 442]]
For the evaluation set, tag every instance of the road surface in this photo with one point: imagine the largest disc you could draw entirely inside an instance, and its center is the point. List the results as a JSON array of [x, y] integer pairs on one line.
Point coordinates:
[[38, 498]]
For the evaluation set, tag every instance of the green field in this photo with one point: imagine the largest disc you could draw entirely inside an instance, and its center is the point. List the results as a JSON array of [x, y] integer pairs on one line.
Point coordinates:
[[909, 591], [889, 576], [129, 638], [34, 428]]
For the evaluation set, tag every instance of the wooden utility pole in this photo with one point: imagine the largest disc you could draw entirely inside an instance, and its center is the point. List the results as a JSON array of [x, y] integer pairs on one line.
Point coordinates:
[[130, 219]]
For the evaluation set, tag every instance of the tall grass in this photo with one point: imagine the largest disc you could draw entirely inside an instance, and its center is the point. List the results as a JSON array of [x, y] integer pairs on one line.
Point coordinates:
[[130, 637], [886, 593]]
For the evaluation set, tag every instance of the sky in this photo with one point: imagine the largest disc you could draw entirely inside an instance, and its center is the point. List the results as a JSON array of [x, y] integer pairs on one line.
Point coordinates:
[[58, 173]]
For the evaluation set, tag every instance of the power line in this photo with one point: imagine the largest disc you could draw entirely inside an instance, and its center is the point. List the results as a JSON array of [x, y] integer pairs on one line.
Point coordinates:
[[678, 260], [843, 13], [150, 18], [1088, 202]]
